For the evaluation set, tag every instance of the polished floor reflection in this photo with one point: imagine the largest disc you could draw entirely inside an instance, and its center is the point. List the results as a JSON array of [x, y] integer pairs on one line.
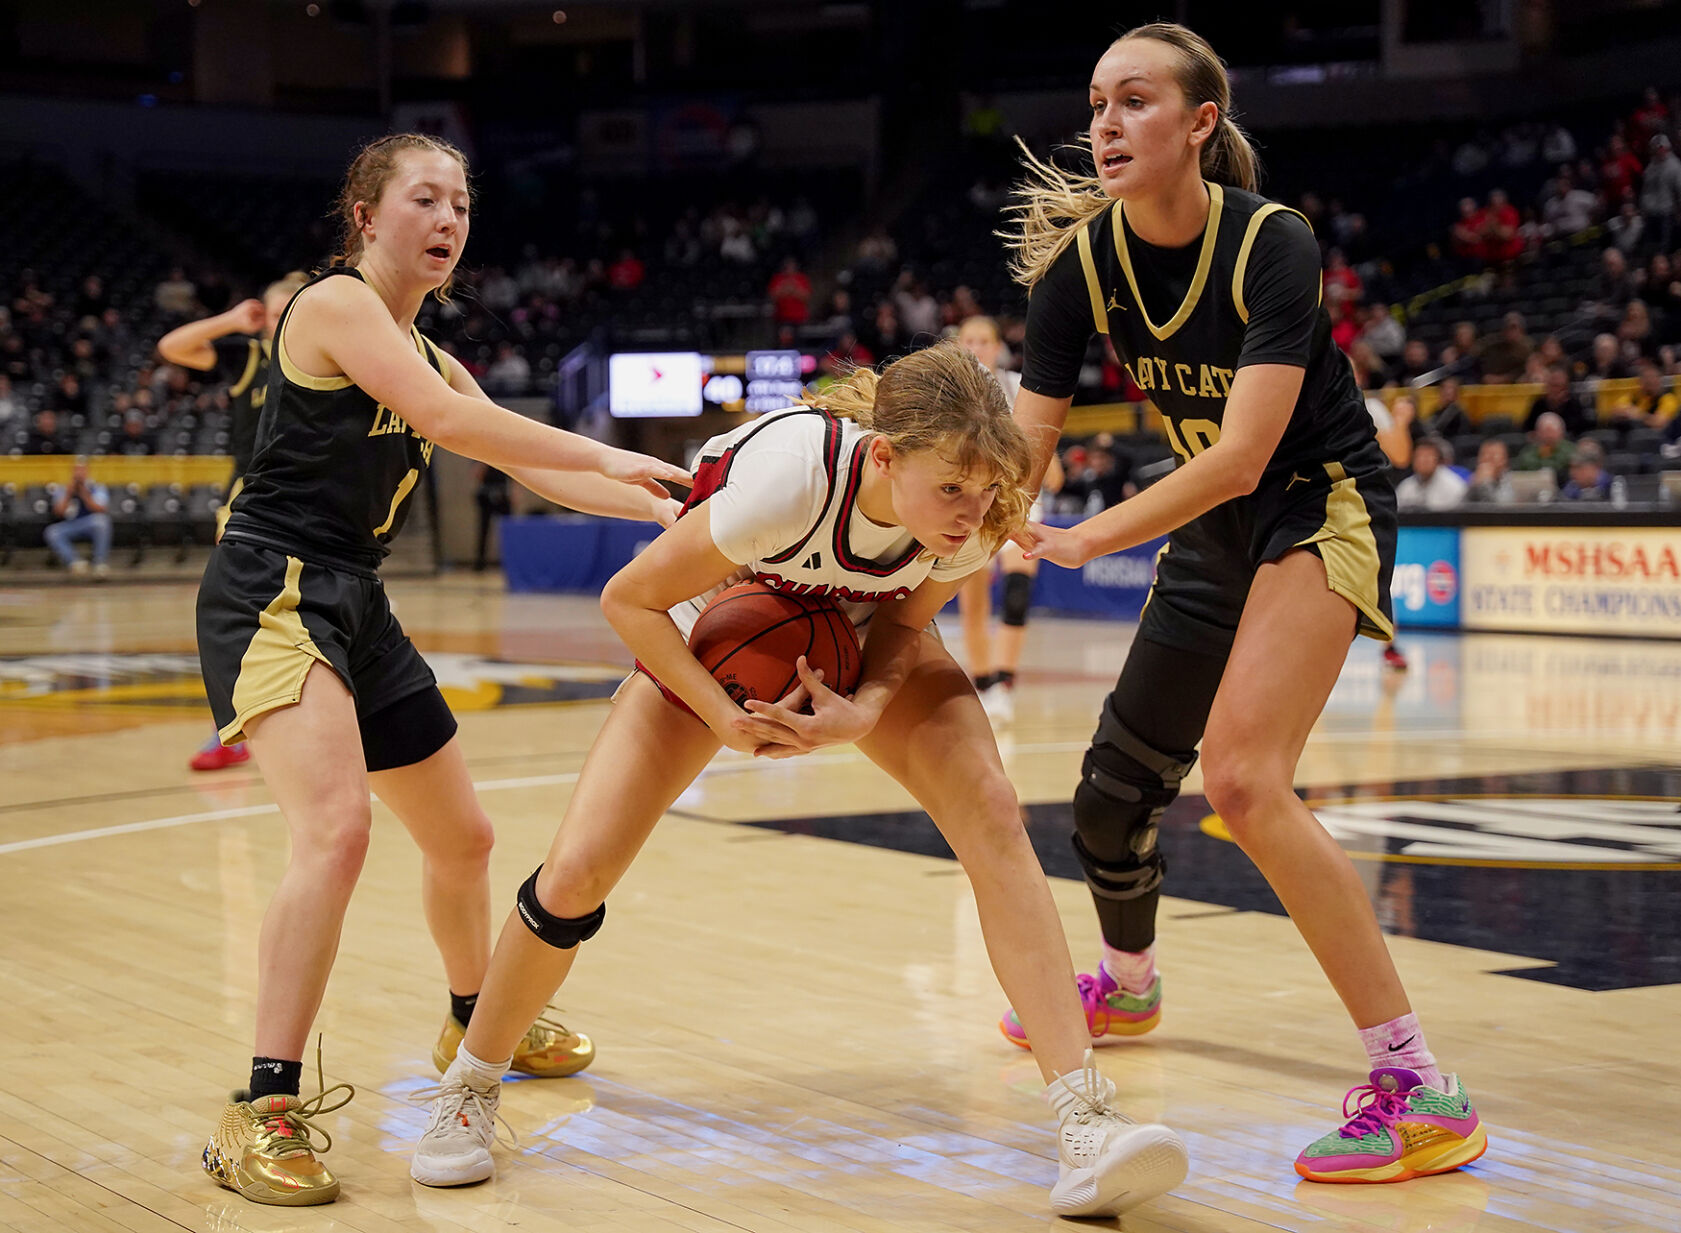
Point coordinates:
[[792, 999]]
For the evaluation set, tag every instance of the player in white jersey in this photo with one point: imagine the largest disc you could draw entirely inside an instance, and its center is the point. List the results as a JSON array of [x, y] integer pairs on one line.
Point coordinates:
[[995, 674], [886, 512]]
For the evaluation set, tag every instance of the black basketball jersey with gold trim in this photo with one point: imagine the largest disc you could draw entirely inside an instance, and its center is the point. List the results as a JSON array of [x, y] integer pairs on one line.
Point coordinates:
[[333, 470], [1184, 321], [242, 362]]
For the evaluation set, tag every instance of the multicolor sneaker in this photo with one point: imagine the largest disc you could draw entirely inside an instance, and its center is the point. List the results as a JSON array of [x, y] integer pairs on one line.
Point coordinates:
[[1110, 1010], [1106, 1162], [264, 1149], [1399, 1128], [548, 1050]]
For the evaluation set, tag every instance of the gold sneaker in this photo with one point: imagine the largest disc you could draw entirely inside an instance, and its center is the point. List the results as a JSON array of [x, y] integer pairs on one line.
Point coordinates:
[[264, 1149], [548, 1050]]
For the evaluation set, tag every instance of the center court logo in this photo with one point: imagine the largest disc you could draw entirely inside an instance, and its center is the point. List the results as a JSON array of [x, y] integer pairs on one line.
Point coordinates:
[[1504, 831]]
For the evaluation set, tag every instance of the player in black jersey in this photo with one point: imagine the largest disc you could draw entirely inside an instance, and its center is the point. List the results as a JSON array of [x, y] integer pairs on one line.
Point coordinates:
[[1281, 525], [303, 658], [234, 346]]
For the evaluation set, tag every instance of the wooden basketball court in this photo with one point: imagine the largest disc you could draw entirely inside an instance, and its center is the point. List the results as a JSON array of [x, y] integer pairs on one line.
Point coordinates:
[[793, 1009]]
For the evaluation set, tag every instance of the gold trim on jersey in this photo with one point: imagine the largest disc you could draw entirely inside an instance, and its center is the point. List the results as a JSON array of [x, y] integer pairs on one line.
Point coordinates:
[[281, 652], [1249, 235], [1210, 233], [245, 378], [1094, 289], [424, 344], [403, 490], [298, 376], [226, 507], [1349, 550]]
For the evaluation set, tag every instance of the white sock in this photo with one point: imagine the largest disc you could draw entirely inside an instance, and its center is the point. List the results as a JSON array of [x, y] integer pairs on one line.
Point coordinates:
[[477, 1072]]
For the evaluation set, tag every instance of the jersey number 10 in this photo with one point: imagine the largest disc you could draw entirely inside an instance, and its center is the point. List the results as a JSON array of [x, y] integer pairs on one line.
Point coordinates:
[[1192, 437]]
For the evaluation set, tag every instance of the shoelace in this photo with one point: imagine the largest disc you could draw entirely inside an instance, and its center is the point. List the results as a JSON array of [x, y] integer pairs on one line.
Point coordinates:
[[1375, 1109], [292, 1132], [544, 1029], [457, 1097], [1091, 1082]]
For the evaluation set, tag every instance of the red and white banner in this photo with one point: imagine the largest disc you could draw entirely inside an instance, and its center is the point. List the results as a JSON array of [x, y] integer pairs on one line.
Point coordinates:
[[1572, 580]]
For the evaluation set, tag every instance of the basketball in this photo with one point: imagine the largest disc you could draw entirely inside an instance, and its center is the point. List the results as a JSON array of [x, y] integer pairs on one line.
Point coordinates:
[[750, 636]]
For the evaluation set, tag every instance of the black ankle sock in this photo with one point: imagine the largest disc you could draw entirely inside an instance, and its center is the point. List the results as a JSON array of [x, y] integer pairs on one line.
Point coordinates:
[[1005, 677], [272, 1076], [462, 1006], [985, 682]]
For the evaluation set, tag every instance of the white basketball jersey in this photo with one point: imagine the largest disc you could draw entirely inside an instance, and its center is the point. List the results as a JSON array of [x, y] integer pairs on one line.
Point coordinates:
[[782, 493]]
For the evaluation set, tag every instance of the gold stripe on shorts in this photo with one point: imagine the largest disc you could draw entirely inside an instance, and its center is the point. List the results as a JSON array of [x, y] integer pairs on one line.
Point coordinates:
[[273, 668], [1349, 550]]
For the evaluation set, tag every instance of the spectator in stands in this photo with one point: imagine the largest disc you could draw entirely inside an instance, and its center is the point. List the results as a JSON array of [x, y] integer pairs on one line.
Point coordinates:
[[1653, 404], [1415, 361], [1619, 169], [1613, 287], [509, 372], [1605, 363], [1460, 357], [887, 335], [1384, 334], [1466, 236], [1450, 419], [1626, 226], [68, 398], [1433, 484], [919, 311], [1548, 447], [498, 290], [1660, 191], [1500, 228], [1491, 482], [1558, 145], [1504, 355], [91, 300], [627, 273], [1589, 480], [136, 438], [789, 293], [877, 251], [1394, 426], [1635, 331], [1345, 323], [1649, 120], [839, 319], [1339, 272], [1107, 480], [1569, 207], [1558, 399], [176, 296], [11, 406], [45, 435], [1661, 290], [80, 508], [735, 244], [1549, 353]]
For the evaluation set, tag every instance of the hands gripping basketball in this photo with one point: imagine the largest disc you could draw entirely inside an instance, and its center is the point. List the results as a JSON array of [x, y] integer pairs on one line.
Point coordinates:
[[783, 729]]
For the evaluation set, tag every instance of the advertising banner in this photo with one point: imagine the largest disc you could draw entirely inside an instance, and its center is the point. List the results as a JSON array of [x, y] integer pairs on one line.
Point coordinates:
[[1426, 583], [1573, 580]]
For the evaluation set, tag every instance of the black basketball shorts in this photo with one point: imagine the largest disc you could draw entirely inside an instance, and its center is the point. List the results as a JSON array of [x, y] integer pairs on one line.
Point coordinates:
[[1342, 513], [264, 618]]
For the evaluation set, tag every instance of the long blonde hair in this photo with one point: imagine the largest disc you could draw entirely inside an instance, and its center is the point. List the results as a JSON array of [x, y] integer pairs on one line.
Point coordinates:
[[1050, 205], [941, 399], [365, 182]]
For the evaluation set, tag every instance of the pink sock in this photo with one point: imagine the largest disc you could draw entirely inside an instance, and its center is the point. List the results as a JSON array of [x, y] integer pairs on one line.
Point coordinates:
[[1400, 1042], [1133, 970]]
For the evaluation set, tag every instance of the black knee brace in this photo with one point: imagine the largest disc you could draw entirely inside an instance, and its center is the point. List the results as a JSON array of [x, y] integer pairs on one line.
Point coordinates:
[[557, 931], [1125, 786], [1018, 595]]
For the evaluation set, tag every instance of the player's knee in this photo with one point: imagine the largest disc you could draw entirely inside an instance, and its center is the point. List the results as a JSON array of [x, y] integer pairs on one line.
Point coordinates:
[[1018, 597], [338, 850], [1244, 790], [549, 925], [992, 817], [467, 844]]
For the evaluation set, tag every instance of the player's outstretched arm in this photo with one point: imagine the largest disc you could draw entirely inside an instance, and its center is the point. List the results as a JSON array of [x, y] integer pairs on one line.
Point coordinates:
[[584, 491], [1041, 418], [1262, 399], [342, 326], [189, 346]]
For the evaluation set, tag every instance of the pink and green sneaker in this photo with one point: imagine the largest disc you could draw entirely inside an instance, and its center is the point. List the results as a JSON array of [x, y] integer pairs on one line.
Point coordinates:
[[1110, 1010], [1400, 1128]]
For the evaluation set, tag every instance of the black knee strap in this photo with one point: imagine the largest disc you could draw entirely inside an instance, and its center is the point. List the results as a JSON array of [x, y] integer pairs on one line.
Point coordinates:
[[558, 931], [1018, 597], [1131, 880], [1169, 770]]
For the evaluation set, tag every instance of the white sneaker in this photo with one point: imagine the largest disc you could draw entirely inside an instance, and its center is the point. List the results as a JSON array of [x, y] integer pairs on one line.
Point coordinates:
[[455, 1149], [1108, 1163], [80, 566], [999, 702]]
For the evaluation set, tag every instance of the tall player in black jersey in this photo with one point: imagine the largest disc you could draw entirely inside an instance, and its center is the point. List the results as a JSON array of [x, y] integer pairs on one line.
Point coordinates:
[[1281, 525], [303, 658], [234, 346]]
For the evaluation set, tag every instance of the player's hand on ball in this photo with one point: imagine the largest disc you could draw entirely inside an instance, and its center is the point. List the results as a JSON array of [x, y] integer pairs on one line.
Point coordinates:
[[1058, 545], [834, 720]]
